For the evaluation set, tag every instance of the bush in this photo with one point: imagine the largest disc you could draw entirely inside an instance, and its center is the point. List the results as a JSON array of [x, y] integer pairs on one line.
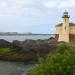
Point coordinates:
[[60, 62]]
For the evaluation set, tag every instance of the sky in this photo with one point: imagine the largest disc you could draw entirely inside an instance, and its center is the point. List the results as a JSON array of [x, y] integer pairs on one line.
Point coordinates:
[[36, 16]]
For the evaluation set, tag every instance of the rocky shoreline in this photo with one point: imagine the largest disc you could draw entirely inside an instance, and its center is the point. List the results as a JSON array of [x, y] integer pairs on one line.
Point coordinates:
[[28, 50]]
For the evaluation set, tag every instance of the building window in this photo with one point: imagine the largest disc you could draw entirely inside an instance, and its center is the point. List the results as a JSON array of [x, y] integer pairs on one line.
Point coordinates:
[[65, 27]]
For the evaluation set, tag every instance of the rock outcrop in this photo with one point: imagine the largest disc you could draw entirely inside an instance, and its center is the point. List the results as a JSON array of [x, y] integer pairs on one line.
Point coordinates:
[[28, 50], [4, 43]]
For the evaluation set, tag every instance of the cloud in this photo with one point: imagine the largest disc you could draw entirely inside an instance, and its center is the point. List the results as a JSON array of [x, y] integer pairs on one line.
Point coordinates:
[[60, 4], [23, 13], [15, 7]]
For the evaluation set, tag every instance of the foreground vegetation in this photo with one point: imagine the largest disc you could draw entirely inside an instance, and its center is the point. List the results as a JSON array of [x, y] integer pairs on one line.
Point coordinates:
[[59, 62]]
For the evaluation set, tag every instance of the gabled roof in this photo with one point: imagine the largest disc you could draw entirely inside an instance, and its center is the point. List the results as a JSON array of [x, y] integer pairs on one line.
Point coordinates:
[[71, 24]]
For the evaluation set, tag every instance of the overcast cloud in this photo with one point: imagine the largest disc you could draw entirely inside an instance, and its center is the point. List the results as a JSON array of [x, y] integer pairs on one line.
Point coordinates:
[[37, 16]]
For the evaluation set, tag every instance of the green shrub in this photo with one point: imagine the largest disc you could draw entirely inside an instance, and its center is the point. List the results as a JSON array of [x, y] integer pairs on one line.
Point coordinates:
[[60, 62]]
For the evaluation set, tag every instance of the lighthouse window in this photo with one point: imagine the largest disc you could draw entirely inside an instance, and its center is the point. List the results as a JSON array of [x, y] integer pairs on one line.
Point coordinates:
[[65, 28], [65, 20]]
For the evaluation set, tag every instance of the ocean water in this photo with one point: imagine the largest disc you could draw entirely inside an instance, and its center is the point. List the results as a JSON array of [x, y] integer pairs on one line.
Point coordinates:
[[10, 38]]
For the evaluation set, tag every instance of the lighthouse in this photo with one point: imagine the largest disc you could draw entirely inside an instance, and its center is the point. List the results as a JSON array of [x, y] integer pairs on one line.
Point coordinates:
[[65, 31], [64, 36]]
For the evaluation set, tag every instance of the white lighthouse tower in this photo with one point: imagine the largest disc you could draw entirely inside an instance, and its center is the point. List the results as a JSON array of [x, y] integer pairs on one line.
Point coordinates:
[[64, 36]]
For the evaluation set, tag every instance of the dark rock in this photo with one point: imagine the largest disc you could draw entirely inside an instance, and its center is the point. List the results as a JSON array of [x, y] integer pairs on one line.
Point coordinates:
[[4, 43], [16, 45], [28, 50], [42, 46]]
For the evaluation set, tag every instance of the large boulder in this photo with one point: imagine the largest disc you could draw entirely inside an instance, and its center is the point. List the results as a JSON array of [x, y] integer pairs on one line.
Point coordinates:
[[4, 43]]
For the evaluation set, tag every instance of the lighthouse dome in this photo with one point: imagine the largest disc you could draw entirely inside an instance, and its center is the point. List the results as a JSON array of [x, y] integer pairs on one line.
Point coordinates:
[[65, 13]]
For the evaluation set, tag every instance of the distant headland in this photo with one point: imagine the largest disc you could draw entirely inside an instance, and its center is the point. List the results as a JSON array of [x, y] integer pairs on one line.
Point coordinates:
[[22, 33], [14, 33]]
